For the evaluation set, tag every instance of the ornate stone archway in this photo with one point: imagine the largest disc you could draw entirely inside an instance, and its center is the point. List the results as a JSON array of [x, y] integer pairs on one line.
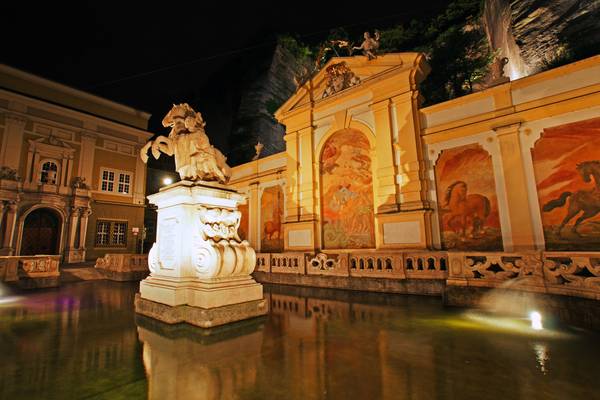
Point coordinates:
[[41, 232]]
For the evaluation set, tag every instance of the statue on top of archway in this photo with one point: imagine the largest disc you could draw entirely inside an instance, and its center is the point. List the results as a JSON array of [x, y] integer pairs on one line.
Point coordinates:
[[195, 158]]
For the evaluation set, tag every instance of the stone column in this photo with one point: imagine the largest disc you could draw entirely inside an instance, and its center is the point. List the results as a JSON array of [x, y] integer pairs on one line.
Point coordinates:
[[11, 224], [385, 175], [10, 154], [253, 214], [75, 212], [412, 184], [86, 157], [306, 191], [83, 224], [139, 180], [1, 216], [291, 203], [523, 237]]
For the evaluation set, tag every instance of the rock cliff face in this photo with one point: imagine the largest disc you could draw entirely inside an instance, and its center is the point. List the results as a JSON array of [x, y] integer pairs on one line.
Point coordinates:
[[533, 32], [267, 85]]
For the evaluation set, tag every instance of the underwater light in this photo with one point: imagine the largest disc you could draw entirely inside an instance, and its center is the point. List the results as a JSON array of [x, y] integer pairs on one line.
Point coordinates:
[[167, 181], [536, 320]]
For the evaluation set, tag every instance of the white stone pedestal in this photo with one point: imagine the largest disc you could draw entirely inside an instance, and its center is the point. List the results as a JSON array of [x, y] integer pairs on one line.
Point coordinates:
[[199, 268]]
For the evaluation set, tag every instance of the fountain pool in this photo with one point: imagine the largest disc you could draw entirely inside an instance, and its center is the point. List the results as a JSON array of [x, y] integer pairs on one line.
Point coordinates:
[[84, 341]]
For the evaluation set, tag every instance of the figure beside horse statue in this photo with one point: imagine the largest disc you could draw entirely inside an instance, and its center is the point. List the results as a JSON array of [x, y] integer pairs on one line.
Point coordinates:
[[586, 201]]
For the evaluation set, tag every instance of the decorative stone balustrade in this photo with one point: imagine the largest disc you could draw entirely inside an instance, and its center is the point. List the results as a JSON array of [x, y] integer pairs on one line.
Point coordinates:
[[123, 267], [368, 264], [287, 263], [31, 271], [563, 273], [426, 265], [377, 265]]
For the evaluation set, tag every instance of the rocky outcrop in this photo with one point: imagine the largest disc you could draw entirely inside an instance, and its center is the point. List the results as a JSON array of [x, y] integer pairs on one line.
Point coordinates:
[[269, 84], [532, 33]]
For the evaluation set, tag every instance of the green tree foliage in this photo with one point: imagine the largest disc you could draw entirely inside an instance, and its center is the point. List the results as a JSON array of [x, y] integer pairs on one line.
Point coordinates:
[[453, 41], [455, 45]]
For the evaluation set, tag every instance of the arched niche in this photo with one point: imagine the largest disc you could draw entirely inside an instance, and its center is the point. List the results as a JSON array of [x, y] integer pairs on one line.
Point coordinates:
[[467, 199], [566, 166], [271, 217], [347, 217]]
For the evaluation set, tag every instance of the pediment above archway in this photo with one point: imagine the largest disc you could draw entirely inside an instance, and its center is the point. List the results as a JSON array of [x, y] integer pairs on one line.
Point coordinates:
[[346, 75]]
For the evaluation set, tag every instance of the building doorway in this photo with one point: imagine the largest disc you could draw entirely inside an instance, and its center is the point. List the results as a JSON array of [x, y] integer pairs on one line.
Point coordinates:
[[41, 233]]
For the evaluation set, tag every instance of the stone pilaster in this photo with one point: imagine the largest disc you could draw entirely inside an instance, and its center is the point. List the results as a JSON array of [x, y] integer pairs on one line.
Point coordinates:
[[385, 175], [523, 237], [11, 226], [10, 153]]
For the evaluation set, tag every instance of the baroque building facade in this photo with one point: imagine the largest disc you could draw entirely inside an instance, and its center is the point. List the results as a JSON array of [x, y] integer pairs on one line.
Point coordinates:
[[71, 181], [511, 168]]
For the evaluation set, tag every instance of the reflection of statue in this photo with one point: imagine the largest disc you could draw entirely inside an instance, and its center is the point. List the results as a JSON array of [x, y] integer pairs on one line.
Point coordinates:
[[195, 157], [258, 147], [370, 45]]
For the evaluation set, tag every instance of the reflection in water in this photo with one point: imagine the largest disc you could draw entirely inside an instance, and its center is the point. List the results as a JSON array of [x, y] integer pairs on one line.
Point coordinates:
[[541, 355], [83, 341], [75, 342], [6, 296]]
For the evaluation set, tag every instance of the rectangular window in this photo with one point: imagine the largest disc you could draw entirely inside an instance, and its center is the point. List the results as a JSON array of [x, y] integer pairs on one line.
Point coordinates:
[[124, 180], [111, 233], [119, 233], [108, 181], [115, 181], [102, 233]]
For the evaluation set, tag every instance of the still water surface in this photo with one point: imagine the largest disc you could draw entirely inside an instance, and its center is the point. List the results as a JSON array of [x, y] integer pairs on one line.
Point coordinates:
[[83, 341]]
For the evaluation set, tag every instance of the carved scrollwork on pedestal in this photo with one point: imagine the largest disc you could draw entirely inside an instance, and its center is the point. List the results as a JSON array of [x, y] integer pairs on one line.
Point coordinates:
[[220, 223], [153, 263]]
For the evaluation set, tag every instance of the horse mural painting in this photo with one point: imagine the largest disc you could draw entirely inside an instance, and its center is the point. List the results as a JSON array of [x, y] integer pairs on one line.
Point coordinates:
[[465, 213], [468, 209], [347, 191], [582, 201], [271, 210], [566, 164]]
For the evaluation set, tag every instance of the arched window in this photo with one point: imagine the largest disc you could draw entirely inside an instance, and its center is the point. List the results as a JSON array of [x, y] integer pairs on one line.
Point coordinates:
[[49, 173]]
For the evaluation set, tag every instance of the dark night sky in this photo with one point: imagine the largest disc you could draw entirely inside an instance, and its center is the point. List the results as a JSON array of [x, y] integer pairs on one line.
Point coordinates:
[[151, 54]]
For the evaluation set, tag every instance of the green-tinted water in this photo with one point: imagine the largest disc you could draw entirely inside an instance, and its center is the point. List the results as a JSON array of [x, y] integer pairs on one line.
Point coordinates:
[[84, 341]]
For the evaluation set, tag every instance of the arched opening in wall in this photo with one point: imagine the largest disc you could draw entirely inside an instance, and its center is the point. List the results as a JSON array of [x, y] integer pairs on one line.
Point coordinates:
[[271, 215], [566, 165], [41, 232], [467, 200], [347, 217]]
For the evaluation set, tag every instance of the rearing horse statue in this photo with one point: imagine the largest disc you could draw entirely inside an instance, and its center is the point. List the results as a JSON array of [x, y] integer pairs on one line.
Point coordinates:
[[195, 158]]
